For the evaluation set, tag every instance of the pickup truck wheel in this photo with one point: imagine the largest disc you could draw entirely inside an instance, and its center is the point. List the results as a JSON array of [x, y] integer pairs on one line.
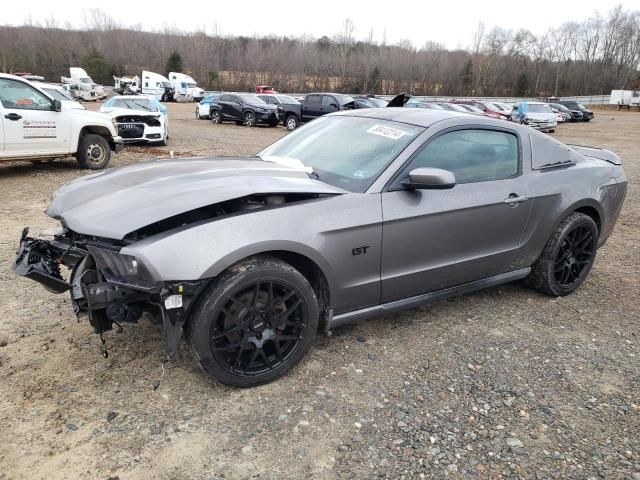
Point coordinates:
[[250, 119], [254, 322], [567, 257], [94, 152], [216, 117], [291, 123]]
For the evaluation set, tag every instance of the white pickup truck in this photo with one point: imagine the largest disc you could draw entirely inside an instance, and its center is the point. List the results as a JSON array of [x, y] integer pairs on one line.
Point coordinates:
[[35, 126]]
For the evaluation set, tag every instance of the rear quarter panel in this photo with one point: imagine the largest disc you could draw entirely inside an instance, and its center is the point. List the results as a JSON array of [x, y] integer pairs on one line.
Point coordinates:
[[559, 191]]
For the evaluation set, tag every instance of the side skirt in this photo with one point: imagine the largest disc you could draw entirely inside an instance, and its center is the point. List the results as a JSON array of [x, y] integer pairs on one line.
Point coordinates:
[[411, 302]]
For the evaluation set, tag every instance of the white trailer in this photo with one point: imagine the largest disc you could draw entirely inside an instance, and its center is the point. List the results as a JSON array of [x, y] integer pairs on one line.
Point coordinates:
[[186, 87], [625, 98]]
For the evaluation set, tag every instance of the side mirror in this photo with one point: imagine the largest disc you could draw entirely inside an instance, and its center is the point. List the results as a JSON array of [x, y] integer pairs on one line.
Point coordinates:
[[429, 178], [56, 106]]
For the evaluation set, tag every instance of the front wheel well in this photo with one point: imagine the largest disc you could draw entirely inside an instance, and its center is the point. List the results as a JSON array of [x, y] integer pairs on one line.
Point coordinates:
[[311, 271], [96, 130], [314, 275], [593, 213]]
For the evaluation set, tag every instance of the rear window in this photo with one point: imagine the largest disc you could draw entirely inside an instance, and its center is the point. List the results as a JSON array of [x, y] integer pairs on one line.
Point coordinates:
[[547, 151], [312, 99]]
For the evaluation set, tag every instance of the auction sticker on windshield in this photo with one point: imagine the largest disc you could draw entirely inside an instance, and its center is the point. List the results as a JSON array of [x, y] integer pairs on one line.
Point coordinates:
[[387, 132]]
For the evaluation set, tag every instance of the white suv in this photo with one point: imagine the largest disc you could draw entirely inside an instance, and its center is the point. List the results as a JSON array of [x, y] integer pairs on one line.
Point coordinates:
[[35, 126]]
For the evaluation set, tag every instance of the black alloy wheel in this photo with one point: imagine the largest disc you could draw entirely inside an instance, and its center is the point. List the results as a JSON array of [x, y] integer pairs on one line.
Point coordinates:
[[254, 322], [258, 328], [567, 258], [575, 254]]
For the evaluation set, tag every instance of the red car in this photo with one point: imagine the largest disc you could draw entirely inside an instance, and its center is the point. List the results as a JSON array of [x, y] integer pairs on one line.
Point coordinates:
[[488, 109], [265, 89]]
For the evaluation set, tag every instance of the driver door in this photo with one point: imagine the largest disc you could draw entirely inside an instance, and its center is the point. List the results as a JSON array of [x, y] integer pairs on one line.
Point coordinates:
[[435, 239], [31, 125]]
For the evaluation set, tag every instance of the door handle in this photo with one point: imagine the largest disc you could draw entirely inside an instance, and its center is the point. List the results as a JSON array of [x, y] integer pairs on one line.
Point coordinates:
[[13, 116], [514, 199]]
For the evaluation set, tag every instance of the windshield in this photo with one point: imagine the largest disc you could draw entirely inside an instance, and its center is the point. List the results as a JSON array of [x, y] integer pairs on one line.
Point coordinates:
[[133, 103], [287, 99], [538, 108], [347, 152], [249, 98], [86, 80], [58, 94], [379, 102], [343, 99]]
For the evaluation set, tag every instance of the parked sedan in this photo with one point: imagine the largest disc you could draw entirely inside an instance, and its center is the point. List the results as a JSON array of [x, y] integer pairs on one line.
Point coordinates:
[[243, 108], [587, 115], [574, 115], [250, 257], [537, 115], [138, 118], [203, 107]]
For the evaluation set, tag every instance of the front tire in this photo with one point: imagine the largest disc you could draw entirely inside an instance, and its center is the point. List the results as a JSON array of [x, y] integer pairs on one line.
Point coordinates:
[[567, 257], [292, 123], [94, 152], [250, 119], [254, 322]]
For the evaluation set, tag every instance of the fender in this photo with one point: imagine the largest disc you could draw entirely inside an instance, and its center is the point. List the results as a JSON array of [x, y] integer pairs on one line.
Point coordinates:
[[266, 247]]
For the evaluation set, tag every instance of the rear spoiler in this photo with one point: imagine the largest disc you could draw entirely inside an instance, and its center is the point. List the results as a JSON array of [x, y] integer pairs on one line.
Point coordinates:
[[599, 153]]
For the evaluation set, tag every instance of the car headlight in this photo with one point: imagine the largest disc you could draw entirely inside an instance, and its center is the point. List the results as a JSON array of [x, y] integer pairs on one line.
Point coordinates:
[[122, 269]]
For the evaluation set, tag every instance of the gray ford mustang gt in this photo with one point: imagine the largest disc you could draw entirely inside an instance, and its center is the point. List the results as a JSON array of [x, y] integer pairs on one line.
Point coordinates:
[[356, 214]]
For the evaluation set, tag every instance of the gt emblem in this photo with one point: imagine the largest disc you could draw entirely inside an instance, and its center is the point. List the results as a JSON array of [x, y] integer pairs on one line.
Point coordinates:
[[359, 250]]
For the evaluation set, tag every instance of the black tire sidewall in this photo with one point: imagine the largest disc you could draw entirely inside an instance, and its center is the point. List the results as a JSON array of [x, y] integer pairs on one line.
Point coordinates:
[[294, 118], [215, 297], [81, 156], [578, 220]]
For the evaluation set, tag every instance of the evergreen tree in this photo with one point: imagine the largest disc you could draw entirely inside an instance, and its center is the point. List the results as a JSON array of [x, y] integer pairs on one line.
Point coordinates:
[[97, 67], [174, 63], [522, 85]]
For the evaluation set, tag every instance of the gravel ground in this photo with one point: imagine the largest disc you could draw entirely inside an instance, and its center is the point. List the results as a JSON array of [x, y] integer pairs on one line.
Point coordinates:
[[504, 383]]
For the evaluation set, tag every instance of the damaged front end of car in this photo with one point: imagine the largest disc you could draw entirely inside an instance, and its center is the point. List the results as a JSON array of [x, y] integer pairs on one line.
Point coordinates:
[[108, 287]]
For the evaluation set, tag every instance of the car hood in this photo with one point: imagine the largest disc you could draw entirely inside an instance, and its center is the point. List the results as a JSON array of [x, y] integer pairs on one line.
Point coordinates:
[[541, 116], [118, 201], [116, 112]]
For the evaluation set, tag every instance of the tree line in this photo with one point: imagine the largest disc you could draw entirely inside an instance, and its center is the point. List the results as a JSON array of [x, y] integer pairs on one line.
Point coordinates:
[[592, 56]]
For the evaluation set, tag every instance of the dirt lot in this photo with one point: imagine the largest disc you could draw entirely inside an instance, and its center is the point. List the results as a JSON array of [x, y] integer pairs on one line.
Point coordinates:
[[505, 383]]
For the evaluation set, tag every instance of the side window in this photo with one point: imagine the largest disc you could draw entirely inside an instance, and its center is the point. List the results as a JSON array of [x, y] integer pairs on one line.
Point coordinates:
[[312, 100], [472, 155], [19, 95], [327, 100], [224, 98]]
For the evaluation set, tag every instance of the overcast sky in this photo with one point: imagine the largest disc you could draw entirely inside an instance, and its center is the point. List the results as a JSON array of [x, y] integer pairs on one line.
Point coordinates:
[[449, 22]]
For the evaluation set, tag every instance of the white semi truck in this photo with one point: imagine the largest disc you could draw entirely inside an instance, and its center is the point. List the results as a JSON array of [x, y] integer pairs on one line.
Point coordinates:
[[186, 87], [149, 83], [82, 87]]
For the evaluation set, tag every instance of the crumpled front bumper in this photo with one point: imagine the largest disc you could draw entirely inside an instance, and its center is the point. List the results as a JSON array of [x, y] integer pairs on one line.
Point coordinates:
[[39, 260]]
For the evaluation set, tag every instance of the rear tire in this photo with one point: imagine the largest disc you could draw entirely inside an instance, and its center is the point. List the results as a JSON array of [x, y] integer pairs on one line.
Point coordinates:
[[216, 117], [94, 152], [254, 322], [567, 257]]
